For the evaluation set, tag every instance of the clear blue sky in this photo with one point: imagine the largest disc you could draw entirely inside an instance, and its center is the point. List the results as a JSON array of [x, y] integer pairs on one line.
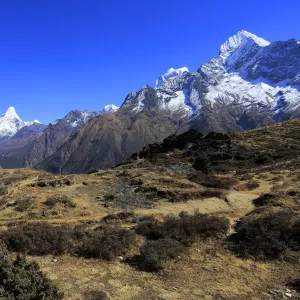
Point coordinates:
[[59, 55]]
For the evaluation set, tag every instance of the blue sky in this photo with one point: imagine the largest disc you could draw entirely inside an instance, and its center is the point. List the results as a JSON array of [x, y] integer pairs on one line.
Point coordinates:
[[61, 55]]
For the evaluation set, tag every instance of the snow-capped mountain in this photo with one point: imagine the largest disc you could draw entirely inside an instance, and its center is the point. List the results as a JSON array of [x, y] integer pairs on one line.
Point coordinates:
[[250, 83], [11, 123], [162, 79], [110, 108]]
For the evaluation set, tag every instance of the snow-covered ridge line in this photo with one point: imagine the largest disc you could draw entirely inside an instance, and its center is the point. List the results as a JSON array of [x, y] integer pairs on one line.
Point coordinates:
[[162, 79], [240, 39]]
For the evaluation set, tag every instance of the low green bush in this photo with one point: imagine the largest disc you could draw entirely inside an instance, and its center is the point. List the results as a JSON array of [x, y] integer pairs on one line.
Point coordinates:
[[21, 280]]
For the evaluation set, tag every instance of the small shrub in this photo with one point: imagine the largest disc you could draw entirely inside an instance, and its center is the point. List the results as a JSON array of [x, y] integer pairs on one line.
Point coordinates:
[[106, 244], [24, 204], [185, 228], [212, 181], [126, 215], [252, 185], [109, 197], [95, 295], [123, 216], [52, 201], [266, 199], [211, 193], [20, 280], [111, 219], [38, 239], [155, 254], [149, 228], [265, 237]]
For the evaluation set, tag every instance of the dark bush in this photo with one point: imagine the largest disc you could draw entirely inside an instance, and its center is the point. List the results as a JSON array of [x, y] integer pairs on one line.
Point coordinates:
[[25, 204], [38, 239], [266, 199], [252, 185], [95, 295], [20, 280], [294, 284], [123, 216], [52, 201], [154, 254], [265, 237], [185, 228], [212, 181], [211, 193], [106, 244], [126, 215], [108, 197], [111, 219], [149, 228], [136, 182]]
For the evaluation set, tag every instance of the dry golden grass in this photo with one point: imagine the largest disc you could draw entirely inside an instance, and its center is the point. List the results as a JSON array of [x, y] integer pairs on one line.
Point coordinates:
[[206, 272]]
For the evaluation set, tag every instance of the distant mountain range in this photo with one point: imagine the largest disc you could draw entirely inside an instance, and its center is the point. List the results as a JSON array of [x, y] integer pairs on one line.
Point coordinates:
[[251, 83]]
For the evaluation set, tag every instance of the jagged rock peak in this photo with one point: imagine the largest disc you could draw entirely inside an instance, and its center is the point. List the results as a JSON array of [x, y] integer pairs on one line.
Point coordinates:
[[241, 38], [162, 79]]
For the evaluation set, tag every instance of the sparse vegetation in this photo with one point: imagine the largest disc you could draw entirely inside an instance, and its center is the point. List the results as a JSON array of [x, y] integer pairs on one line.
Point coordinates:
[[25, 204], [185, 228], [37, 239], [213, 181], [64, 200], [106, 243]]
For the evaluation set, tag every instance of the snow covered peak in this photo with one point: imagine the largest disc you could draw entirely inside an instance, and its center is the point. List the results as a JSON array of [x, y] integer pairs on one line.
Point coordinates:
[[175, 72], [240, 39], [110, 108], [162, 79], [11, 123], [11, 114]]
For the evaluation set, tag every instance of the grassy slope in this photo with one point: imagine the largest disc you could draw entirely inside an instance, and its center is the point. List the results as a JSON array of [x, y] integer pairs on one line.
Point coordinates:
[[208, 271]]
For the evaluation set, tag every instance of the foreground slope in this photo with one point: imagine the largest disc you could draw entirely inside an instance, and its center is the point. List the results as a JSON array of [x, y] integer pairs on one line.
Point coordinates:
[[216, 174]]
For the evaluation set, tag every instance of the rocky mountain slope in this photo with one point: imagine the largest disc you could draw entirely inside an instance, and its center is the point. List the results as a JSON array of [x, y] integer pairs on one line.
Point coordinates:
[[252, 83], [30, 145]]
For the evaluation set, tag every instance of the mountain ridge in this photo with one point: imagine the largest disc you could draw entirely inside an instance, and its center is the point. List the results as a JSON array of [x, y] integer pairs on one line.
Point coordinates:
[[224, 95], [251, 83]]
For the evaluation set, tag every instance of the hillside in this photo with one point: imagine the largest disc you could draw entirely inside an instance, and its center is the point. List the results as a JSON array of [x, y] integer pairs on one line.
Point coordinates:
[[237, 181]]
